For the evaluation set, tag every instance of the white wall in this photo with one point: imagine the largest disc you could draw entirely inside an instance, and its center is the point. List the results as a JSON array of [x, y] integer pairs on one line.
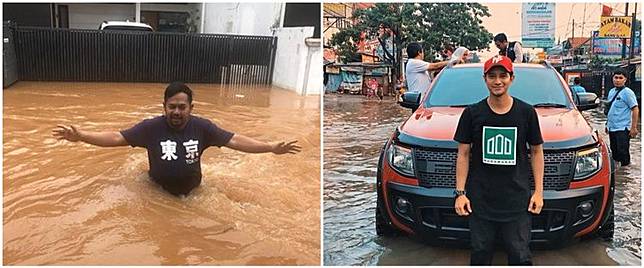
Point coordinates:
[[242, 18], [315, 77], [290, 70], [90, 16]]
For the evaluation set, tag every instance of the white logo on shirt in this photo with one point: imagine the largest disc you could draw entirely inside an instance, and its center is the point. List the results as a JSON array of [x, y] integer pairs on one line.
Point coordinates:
[[168, 148], [499, 145], [192, 149]]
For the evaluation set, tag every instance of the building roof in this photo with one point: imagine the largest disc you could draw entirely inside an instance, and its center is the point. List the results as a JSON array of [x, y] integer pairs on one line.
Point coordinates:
[[578, 41], [363, 5]]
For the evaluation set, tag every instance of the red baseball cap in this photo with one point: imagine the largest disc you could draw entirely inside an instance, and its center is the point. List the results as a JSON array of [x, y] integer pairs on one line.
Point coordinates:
[[498, 60]]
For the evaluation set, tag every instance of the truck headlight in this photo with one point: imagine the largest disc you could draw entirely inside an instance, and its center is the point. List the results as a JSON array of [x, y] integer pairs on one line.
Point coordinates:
[[401, 159], [588, 163]]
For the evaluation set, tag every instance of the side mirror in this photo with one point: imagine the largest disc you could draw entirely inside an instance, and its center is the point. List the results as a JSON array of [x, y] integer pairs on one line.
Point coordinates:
[[586, 101], [411, 100]]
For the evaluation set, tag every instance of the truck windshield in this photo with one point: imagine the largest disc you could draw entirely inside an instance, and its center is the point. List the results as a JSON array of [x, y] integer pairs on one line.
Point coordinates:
[[465, 86]]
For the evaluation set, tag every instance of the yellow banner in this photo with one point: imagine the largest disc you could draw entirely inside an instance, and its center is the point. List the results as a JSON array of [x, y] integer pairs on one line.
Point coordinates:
[[615, 27]]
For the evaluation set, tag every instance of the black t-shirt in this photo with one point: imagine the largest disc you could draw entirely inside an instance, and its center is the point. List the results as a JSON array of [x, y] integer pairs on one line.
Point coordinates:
[[498, 181], [174, 155]]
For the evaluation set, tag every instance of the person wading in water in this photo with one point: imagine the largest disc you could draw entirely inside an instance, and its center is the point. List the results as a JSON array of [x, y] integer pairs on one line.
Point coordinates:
[[175, 141]]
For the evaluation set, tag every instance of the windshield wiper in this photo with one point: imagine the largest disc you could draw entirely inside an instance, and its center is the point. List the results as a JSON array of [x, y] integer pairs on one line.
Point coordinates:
[[550, 105]]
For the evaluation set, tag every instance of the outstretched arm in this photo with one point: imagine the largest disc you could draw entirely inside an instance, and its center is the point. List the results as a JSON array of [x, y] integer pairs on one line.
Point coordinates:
[[436, 65], [249, 145], [103, 139]]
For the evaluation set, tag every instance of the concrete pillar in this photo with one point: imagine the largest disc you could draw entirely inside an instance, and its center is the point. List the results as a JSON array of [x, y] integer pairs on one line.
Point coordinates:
[[311, 44], [203, 17], [138, 12], [282, 12]]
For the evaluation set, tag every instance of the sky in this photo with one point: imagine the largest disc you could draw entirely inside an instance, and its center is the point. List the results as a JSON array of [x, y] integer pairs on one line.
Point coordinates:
[[506, 17]]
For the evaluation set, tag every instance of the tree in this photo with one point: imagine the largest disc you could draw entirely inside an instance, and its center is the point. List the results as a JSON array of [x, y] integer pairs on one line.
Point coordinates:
[[601, 63], [432, 24]]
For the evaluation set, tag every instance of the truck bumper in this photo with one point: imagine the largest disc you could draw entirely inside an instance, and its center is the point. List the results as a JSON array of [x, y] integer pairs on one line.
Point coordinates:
[[430, 213]]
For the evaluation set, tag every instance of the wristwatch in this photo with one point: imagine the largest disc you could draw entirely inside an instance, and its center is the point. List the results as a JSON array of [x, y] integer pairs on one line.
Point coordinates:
[[458, 193]]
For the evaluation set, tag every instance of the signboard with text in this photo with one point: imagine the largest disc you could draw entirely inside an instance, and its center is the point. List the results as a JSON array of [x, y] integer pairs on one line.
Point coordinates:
[[538, 25], [612, 47], [615, 27]]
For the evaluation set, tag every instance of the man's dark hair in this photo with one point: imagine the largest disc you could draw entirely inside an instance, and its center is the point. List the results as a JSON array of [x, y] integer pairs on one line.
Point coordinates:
[[175, 88], [576, 80], [500, 38], [621, 71], [500, 67], [448, 47], [413, 49]]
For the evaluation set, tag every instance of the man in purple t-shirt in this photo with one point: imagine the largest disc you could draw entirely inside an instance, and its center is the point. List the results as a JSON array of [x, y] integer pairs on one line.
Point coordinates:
[[175, 141]]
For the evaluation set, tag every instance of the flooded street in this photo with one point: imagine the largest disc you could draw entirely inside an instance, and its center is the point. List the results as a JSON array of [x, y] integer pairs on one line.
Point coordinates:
[[355, 131], [76, 204]]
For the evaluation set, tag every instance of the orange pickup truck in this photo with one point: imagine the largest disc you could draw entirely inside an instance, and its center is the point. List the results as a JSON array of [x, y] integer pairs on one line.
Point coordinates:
[[416, 173]]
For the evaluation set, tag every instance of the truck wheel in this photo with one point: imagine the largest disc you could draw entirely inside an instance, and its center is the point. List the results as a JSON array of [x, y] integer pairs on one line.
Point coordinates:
[[383, 223], [607, 230]]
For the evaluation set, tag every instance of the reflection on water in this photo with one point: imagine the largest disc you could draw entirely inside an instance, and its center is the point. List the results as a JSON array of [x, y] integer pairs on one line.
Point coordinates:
[[76, 204], [354, 132]]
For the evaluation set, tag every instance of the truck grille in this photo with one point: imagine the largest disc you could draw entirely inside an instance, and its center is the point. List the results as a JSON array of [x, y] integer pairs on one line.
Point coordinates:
[[438, 169]]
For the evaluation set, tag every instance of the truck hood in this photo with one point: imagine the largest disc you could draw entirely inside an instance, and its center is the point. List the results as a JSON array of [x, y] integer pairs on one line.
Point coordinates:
[[559, 126]]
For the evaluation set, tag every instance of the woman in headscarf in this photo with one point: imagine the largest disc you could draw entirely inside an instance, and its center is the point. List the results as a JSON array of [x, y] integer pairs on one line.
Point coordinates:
[[460, 55]]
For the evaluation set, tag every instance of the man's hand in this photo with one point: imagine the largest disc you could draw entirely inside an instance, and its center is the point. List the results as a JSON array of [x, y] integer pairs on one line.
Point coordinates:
[[633, 132], [462, 206], [536, 203], [284, 147], [69, 133]]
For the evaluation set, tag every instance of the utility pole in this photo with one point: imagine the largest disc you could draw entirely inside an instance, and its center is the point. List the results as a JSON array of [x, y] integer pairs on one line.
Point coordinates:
[[632, 50], [573, 28], [583, 22], [571, 43], [624, 39]]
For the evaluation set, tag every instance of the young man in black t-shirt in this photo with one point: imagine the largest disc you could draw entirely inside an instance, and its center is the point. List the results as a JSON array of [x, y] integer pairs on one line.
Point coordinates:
[[175, 141], [497, 131]]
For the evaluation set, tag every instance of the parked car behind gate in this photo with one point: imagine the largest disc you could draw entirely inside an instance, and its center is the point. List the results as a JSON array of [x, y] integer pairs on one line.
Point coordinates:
[[125, 26], [416, 173]]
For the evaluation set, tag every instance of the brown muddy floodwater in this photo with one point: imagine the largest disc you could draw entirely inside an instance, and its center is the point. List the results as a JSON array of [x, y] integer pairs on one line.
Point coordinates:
[[355, 129], [76, 204]]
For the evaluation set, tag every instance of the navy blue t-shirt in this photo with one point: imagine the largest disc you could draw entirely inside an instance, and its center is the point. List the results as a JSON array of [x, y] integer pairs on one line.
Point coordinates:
[[174, 155]]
